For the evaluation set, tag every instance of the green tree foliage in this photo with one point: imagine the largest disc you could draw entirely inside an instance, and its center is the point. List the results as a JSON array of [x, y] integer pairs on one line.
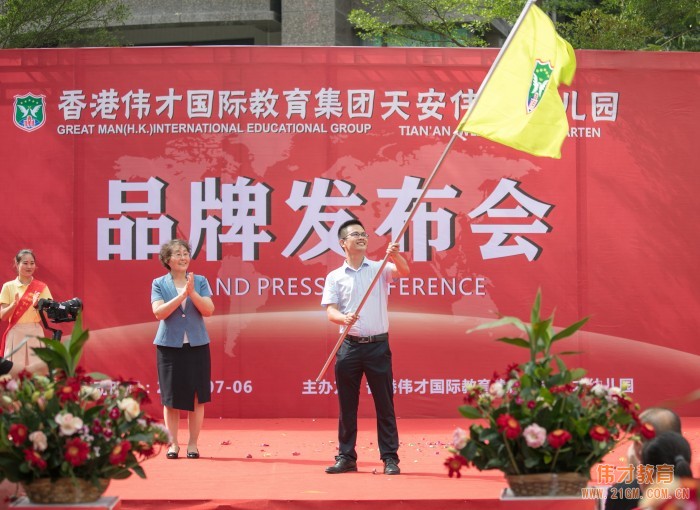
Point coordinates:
[[429, 22], [587, 24], [628, 24], [53, 23]]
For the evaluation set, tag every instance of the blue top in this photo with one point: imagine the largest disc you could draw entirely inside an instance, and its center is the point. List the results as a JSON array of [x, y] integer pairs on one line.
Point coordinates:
[[172, 329]]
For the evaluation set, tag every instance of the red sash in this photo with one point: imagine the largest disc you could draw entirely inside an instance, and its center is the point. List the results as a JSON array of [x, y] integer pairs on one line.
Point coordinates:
[[24, 303]]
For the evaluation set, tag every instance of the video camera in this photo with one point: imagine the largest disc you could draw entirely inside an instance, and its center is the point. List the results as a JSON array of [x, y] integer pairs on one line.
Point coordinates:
[[66, 311]]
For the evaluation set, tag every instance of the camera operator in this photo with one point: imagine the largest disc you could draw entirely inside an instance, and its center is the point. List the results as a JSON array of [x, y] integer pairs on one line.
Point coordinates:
[[18, 301]]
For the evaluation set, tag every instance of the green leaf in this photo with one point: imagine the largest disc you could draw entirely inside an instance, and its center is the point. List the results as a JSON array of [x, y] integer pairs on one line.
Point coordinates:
[[55, 345], [569, 330], [470, 412], [139, 471], [503, 321], [121, 474], [577, 373], [560, 364], [77, 339], [518, 342], [531, 462], [49, 356], [535, 312]]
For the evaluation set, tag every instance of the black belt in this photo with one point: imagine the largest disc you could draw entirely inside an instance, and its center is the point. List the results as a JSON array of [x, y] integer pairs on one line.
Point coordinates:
[[383, 337]]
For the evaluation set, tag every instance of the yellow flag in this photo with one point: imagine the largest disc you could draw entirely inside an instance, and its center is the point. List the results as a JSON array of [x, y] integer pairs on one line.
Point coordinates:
[[520, 106]]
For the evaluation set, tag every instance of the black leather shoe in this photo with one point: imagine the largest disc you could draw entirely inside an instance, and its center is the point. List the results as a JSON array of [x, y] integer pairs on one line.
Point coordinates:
[[342, 465], [391, 467], [173, 452]]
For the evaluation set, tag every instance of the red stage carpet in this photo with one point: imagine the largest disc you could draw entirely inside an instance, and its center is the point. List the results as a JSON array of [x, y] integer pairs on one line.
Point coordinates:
[[279, 463]]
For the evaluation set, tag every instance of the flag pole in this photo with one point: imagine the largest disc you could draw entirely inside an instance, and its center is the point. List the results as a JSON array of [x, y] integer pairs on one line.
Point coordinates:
[[425, 189]]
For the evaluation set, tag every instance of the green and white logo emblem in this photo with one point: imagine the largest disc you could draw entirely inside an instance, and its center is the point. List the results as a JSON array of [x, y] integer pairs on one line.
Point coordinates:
[[540, 79], [30, 112]]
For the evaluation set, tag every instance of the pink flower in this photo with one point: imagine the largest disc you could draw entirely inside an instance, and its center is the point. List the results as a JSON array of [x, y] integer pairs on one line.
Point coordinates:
[[39, 440], [497, 389], [68, 423], [534, 435], [459, 438]]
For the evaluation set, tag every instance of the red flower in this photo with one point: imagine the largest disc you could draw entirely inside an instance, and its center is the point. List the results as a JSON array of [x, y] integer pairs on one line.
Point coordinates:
[[454, 464], [82, 377], [647, 431], [513, 367], [139, 394], [119, 453], [114, 413], [624, 402], [599, 433], [563, 388], [70, 391], [558, 438], [126, 382], [145, 449], [506, 423], [18, 433], [473, 395], [34, 459], [76, 451]]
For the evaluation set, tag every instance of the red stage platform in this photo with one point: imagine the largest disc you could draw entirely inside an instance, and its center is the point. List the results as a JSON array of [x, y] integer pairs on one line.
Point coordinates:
[[279, 464]]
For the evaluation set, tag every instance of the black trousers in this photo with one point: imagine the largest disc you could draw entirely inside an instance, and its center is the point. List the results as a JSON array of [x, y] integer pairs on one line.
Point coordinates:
[[374, 361]]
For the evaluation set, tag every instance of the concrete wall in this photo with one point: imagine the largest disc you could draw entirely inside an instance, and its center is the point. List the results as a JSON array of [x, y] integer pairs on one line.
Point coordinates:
[[156, 22]]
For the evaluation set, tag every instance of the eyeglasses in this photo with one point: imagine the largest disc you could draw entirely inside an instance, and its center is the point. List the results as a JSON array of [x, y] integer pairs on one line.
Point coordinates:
[[357, 235], [180, 255]]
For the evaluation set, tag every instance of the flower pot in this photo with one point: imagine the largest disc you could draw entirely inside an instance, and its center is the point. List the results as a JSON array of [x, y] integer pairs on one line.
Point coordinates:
[[547, 484], [64, 490]]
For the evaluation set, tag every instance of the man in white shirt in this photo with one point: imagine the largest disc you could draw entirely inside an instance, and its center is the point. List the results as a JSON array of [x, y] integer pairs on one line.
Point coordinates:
[[365, 349]]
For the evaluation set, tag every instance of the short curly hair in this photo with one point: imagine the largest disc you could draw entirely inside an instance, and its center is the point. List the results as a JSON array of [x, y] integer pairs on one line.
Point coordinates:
[[166, 251]]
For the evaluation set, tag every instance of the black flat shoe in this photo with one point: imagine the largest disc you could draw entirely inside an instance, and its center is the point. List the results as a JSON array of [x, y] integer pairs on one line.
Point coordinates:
[[173, 452], [193, 455]]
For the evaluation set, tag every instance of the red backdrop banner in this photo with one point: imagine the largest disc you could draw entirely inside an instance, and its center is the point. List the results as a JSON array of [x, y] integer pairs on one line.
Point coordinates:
[[256, 155]]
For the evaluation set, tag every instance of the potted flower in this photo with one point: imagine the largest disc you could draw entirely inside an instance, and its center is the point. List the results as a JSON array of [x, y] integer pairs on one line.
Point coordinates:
[[544, 425], [65, 435]]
